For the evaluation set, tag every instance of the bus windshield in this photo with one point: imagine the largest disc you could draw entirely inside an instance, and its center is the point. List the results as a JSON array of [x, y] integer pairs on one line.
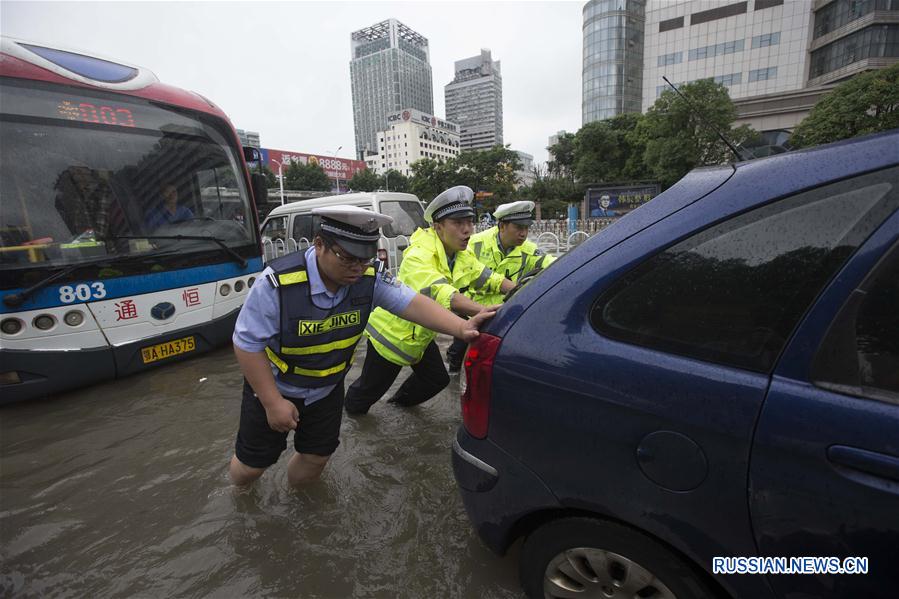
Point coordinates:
[[86, 175]]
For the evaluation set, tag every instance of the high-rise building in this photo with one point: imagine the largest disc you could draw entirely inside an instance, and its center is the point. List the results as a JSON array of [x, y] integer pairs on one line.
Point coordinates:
[[613, 58], [389, 71], [474, 100], [248, 138], [554, 139]]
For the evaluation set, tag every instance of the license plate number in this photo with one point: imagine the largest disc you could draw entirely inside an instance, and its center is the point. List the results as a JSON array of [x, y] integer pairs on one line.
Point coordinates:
[[168, 349]]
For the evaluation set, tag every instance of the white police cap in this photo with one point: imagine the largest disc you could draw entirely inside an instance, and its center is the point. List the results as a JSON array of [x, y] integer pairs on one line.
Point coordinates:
[[515, 212], [355, 229], [455, 202]]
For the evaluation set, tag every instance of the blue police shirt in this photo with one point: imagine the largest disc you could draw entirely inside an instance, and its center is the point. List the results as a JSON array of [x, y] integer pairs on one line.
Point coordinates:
[[259, 322], [161, 216]]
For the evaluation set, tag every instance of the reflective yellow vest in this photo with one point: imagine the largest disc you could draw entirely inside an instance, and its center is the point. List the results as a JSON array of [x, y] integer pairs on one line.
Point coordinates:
[[425, 269], [520, 260]]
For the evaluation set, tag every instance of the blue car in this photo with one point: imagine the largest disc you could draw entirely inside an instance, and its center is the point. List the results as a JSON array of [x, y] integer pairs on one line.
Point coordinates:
[[703, 399]]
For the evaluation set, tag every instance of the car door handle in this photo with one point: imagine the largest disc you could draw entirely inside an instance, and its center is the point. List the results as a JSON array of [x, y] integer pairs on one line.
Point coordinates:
[[869, 462]]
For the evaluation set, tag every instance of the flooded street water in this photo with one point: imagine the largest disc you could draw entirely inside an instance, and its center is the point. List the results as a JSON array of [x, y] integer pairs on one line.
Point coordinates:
[[121, 490]]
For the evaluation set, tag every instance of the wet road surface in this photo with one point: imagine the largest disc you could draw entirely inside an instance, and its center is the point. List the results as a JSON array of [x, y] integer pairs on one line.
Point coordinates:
[[121, 490]]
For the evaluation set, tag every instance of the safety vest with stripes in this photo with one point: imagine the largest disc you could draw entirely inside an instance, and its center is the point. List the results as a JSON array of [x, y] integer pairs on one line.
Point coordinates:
[[316, 345], [513, 265], [425, 268]]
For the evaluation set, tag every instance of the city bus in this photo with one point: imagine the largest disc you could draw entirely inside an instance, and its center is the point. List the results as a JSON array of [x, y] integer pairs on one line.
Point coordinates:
[[128, 232]]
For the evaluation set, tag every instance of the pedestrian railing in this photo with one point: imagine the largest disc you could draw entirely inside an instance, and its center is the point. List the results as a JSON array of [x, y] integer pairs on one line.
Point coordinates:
[[551, 236]]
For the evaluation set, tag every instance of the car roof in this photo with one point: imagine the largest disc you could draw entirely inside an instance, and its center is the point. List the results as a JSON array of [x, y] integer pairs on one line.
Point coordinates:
[[754, 182], [364, 199]]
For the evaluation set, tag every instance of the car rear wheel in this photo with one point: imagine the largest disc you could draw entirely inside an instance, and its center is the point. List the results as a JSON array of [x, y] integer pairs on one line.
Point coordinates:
[[585, 557]]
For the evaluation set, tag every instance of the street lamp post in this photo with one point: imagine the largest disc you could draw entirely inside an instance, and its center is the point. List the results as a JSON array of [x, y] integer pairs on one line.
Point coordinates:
[[280, 179], [387, 180], [337, 168]]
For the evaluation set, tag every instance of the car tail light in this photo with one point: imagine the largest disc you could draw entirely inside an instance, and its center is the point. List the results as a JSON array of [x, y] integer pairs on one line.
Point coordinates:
[[382, 256], [479, 378]]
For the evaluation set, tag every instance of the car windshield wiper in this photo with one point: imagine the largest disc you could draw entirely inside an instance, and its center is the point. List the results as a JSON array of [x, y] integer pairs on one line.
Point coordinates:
[[220, 242], [14, 300]]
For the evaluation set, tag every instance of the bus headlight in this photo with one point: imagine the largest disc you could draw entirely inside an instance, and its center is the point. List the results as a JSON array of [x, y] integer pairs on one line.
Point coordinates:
[[225, 289], [74, 318], [11, 326], [238, 286], [250, 281], [44, 322]]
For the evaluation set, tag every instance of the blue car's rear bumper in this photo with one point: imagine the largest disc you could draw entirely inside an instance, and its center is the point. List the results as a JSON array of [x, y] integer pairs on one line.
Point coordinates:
[[498, 492]]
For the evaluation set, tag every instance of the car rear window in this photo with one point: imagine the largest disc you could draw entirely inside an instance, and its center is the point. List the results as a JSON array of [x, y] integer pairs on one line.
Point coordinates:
[[733, 293], [860, 354], [407, 216]]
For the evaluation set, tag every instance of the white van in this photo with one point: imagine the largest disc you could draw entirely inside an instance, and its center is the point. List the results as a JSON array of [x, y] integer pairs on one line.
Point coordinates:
[[291, 227]]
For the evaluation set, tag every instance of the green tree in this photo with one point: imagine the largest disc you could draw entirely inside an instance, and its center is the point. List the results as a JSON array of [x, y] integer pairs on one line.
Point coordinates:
[[365, 180], [394, 180], [307, 177], [676, 134], [271, 179], [430, 177], [553, 194], [491, 171], [866, 103], [608, 151]]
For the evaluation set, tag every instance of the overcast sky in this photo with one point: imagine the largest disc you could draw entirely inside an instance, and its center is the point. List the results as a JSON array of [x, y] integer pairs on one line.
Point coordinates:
[[282, 68]]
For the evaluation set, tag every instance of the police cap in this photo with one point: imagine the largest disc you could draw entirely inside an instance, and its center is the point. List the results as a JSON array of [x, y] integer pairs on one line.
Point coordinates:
[[515, 212], [455, 202], [355, 229]]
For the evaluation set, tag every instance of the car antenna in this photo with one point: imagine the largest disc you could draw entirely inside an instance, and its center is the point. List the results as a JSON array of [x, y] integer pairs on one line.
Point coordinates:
[[708, 124]]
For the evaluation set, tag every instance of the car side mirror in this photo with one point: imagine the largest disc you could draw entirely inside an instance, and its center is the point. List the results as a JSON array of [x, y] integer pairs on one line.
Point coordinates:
[[260, 188]]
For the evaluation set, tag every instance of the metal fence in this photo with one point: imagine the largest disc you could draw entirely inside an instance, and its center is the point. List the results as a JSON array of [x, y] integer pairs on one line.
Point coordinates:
[[551, 236]]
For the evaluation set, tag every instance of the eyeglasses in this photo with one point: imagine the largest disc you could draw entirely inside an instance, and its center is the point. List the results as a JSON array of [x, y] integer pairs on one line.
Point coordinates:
[[347, 260]]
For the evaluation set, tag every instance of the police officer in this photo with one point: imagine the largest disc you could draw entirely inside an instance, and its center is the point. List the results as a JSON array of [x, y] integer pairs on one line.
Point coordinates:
[[295, 336], [436, 265], [505, 249]]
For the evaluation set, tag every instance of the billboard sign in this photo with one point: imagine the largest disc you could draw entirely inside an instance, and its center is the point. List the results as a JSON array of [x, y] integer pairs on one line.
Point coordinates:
[[334, 167], [617, 200]]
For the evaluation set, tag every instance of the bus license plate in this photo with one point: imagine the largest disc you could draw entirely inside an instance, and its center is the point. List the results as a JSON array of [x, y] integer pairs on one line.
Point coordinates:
[[168, 349]]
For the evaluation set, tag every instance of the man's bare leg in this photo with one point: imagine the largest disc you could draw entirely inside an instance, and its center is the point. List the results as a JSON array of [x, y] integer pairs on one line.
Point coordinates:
[[241, 474], [305, 468]]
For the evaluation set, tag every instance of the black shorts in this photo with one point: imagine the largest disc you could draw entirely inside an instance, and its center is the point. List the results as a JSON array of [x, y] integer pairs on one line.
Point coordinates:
[[318, 432]]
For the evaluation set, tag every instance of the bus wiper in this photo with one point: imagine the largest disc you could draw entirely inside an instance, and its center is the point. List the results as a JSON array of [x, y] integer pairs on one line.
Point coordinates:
[[220, 242], [14, 300]]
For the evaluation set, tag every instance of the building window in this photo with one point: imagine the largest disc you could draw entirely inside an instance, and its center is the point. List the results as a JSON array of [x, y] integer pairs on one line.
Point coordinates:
[[673, 58], [716, 50], [763, 4], [714, 14], [766, 39], [879, 41], [763, 74], [732, 79], [670, 24]]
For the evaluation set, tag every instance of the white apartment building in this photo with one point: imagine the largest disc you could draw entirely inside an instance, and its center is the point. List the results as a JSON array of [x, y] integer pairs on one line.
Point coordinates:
[[525, 175], [411, 135]]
